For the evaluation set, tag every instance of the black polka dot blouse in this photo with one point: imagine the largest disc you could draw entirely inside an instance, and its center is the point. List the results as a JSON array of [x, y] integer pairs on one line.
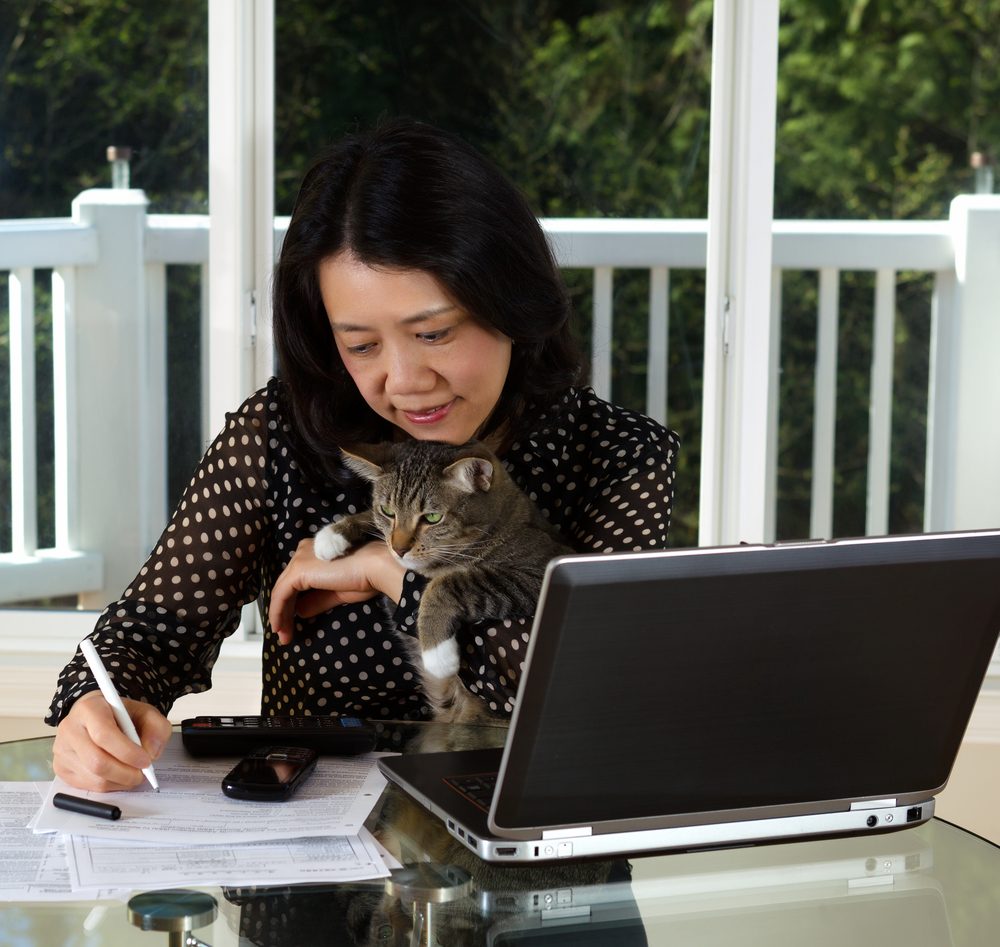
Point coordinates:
[[602, 474]]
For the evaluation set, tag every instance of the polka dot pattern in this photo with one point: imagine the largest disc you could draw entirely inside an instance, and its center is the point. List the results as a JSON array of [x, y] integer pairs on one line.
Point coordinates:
[[603, 475]]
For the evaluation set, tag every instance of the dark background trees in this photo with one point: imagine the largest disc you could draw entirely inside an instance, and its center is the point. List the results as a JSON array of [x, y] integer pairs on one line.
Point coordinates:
[[594, 108]]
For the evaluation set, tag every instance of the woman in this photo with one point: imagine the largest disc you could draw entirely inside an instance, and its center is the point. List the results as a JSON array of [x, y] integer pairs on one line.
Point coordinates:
[[415, 296]]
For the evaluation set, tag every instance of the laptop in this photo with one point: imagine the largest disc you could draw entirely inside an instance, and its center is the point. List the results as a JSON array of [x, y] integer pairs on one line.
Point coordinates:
[[725, 696]]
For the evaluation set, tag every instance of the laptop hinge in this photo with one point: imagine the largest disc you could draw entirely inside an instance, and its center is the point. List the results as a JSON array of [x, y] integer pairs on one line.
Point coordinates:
[[577, 832], [874, 804]]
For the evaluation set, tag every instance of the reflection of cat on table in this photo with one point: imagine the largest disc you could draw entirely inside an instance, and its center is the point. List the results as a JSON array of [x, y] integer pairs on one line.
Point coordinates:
[[364, 914]]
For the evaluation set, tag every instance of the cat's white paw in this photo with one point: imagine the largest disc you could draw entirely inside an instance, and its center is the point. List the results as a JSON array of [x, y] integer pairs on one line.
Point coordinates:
[[329, 544], [442, 659]]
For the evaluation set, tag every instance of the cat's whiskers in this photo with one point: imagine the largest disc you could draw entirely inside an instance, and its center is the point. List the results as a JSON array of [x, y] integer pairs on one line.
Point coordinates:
[[452, 557]]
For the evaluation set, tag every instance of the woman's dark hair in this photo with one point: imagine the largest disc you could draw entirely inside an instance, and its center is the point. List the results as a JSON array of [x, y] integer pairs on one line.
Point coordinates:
[[409, 195]]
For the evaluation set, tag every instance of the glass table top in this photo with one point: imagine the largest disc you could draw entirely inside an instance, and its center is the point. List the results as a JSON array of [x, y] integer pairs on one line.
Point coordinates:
[[933, 885]]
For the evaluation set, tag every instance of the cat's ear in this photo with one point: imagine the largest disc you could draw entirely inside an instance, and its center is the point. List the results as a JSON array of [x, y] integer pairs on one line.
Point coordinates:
[[471, 474], [366, 460]]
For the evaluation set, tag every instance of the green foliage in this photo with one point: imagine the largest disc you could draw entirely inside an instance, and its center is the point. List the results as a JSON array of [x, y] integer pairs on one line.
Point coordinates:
[[594, 108], [79, 75], [609, 115], [881, 103]]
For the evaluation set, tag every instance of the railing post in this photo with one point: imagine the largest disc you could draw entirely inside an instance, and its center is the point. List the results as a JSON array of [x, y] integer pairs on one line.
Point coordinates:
[[64, 387], [825, 405], [774, 391], [939, 486], [23, 467], [976, 498], [659, 344], [602, 335], [111, 397], [880, 409]]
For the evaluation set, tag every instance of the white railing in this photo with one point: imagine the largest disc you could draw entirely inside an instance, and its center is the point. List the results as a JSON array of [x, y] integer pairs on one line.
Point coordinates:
[[826, 246], [109, 316]]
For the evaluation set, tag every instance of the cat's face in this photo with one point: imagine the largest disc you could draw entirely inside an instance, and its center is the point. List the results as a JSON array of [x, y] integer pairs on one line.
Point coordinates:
[[424, 501]]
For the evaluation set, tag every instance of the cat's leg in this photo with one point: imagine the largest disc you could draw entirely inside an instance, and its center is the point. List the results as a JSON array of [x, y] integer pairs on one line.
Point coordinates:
[[442, 610], [437, 621], [333, 541]]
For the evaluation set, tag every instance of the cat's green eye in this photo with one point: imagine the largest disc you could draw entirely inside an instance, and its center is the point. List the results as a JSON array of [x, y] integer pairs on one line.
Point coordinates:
[[433, 517], [387, 511]]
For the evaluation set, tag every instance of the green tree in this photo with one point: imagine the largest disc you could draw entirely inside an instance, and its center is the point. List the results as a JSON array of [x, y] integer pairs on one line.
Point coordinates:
[[881, 103], [79, 75]]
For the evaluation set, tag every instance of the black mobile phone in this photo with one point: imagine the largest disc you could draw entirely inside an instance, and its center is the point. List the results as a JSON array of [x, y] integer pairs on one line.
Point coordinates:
[[270, 773]]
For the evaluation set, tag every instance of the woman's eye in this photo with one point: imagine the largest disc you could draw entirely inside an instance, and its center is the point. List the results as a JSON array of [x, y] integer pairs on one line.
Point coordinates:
[[387, 512], [434, 336], [363, 349], [433, 517]]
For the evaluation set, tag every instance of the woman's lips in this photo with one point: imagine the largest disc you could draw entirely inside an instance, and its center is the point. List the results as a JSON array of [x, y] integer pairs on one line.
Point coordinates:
[[431, 416]]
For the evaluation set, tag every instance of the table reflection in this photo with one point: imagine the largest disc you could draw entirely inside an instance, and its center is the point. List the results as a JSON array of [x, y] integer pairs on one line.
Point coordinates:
[[928, 886]]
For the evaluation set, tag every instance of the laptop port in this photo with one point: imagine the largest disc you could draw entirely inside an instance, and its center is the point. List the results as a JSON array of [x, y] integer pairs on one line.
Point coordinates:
[[508, 852], [461, 833], [451, 825], [914, 814], [473, 841]]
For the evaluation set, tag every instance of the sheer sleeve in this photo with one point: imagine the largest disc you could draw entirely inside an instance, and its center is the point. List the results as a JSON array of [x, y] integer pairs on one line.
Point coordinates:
[[162, 637], [615, 496]]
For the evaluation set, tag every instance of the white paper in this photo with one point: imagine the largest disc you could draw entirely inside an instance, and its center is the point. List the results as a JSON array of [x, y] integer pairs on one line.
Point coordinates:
[[105, 863], [191, 809], [34, 867]]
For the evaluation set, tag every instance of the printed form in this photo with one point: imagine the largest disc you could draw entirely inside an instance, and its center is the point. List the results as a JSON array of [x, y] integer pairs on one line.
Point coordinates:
[[100, 863], [190, 807], [34, 867]]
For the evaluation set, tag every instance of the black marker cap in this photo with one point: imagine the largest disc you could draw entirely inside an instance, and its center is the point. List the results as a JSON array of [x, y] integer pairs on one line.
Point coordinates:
[[86, 807]]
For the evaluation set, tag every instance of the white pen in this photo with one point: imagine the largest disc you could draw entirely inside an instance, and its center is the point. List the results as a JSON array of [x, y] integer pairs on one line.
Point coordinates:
[[111, 696]]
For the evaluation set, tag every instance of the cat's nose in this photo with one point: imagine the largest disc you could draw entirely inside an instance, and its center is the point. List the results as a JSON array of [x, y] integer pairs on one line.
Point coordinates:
[[401, 543]]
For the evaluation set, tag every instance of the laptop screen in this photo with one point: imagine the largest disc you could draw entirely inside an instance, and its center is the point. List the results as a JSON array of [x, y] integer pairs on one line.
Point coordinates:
[[672, 683]]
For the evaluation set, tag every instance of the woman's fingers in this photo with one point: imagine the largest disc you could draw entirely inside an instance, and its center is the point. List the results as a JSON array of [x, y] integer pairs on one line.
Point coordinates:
[[91, 752], [153, 728], [310, 585]]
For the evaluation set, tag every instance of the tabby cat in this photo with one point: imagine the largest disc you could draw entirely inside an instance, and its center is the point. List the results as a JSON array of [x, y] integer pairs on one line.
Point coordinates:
[[454, 515]]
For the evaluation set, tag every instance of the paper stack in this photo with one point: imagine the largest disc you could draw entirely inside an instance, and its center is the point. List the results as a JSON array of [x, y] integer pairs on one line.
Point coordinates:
[[191, 834]]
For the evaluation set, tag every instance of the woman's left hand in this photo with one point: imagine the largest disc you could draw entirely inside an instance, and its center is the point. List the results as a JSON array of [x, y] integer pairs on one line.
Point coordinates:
[[310, 586]]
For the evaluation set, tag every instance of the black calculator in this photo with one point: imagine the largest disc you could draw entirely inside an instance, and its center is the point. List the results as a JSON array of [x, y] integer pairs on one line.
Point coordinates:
[[236, 736]]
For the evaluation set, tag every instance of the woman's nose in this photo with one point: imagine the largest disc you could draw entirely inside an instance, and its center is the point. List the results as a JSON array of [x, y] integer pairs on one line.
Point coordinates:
[[407, 373]]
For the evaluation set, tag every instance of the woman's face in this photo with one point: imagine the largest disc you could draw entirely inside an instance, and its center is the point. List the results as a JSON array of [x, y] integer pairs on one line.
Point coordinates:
[[418, 358]]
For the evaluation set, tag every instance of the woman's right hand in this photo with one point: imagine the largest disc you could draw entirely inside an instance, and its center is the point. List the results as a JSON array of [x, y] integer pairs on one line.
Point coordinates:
[[310, 585], [91, 752]]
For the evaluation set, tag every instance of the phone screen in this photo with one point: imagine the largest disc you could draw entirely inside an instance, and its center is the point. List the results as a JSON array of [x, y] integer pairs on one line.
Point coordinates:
[[270, 774]]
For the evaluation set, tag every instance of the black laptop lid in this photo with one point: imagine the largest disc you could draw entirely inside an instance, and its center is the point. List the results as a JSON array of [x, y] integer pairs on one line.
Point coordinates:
[[735, 679]]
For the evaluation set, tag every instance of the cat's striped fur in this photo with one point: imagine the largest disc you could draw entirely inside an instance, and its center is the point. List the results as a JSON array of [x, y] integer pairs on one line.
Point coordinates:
[[454, 515]]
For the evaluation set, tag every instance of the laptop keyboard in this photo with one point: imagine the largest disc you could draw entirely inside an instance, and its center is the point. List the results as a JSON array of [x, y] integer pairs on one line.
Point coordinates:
[[477, 789]]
